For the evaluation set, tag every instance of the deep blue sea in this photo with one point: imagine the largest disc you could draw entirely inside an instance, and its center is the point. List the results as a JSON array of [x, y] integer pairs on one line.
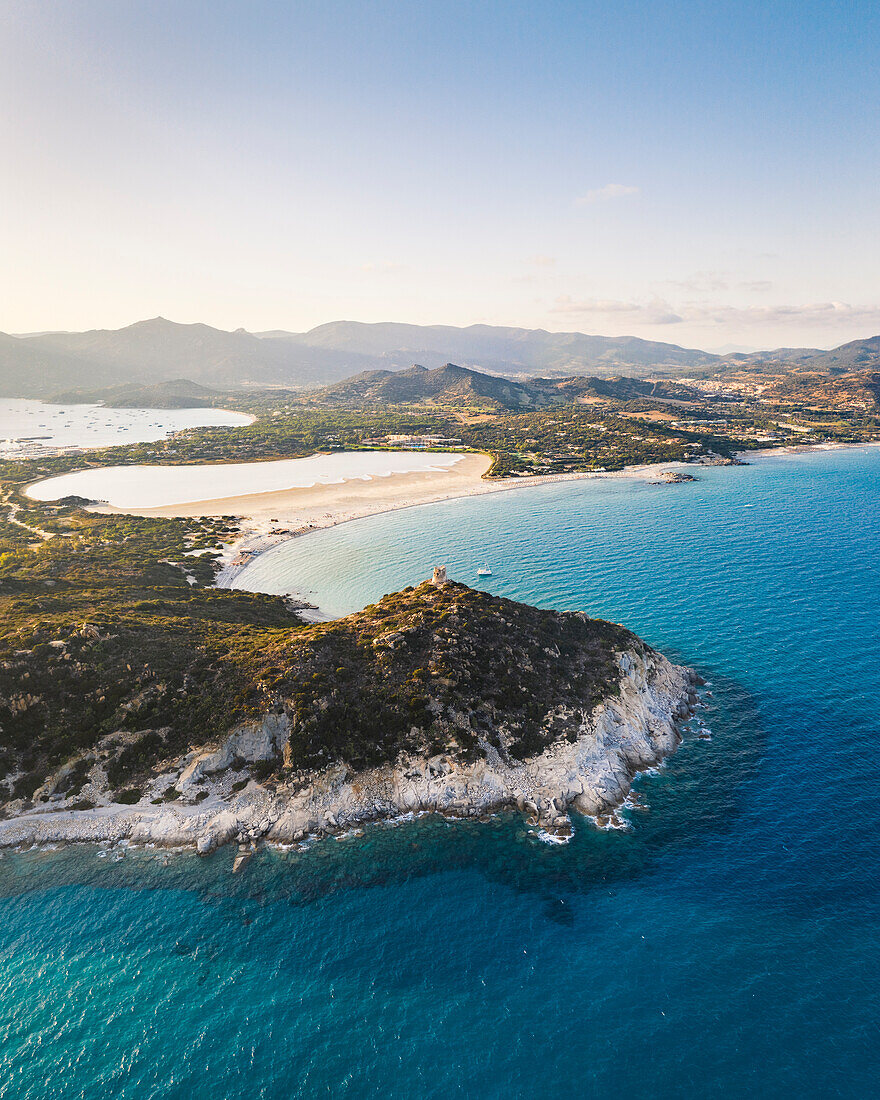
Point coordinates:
[[728, 944]]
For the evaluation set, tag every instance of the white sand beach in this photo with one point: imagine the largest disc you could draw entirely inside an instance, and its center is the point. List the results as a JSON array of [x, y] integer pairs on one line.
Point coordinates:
[[269, 518], [334, 489]]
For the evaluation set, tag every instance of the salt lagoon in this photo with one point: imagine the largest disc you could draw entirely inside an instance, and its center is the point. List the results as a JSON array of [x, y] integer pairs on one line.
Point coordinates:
[[68, 425], [161, 486]]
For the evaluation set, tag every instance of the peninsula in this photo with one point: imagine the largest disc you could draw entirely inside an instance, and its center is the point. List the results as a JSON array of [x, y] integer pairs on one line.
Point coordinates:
[[438, 698]]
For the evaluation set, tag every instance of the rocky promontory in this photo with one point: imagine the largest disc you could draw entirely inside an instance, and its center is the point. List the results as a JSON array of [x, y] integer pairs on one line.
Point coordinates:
[[437, 699]]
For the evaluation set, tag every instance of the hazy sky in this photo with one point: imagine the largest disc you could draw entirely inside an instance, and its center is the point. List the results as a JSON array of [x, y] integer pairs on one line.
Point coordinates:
[[701, 173]]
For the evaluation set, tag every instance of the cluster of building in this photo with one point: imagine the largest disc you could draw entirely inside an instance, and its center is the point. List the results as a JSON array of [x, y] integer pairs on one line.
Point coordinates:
[[413, 442], [32, 448]]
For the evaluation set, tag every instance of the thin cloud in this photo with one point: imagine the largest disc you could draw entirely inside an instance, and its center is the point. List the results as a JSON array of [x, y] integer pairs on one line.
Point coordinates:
[[826, 313], [383, 268], [542, 261], [703, 282], [719, 315], [656, 312], [606, 193], [714, 282]]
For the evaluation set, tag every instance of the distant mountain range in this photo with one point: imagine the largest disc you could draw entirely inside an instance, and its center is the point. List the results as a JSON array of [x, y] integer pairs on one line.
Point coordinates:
[[158, 351], [154, 351], [514, 352], [857, 355]]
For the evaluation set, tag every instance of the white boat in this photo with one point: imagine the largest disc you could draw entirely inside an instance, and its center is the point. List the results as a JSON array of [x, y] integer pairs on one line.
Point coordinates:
[[484, 571]]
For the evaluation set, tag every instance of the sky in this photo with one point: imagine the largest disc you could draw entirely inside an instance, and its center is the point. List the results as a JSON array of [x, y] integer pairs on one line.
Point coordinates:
[[704, 174]]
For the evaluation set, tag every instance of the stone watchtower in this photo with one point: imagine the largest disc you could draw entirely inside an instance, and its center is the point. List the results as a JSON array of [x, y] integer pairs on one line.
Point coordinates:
[[439, 577]]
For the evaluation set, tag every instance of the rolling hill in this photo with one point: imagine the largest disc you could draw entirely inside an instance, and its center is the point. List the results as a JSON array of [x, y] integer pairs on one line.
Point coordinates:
[[30, 371], [455, 385], [857, 355], [179, 393], [448, 385], [854, 390], [155, 351]]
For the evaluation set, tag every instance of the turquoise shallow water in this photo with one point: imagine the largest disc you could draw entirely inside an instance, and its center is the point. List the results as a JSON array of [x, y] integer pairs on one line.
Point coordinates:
[[727, 945]]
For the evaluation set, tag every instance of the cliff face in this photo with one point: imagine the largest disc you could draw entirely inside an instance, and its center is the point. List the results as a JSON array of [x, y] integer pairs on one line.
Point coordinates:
[[429, 671], [604, 707], [590, 773]]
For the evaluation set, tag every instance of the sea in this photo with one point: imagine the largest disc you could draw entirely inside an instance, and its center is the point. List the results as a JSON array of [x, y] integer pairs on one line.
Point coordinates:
[[725, 944], [23, 422]]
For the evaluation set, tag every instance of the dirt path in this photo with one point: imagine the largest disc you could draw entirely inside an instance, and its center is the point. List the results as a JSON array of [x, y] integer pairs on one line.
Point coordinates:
[[12, 517]]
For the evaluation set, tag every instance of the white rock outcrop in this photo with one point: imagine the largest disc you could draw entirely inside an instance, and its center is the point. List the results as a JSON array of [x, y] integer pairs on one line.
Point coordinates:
[[629, 732], [250, 743]]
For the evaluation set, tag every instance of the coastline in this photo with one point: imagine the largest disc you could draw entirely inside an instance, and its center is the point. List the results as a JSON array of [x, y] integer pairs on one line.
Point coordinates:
[[294, 516], [257, 815], [624, 736], [21, 443], [806, 448], [259, 535], [268, 519]]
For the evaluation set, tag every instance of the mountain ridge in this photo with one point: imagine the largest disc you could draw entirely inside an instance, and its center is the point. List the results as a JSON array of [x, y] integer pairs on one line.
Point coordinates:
[[157, 350], [452, 385]]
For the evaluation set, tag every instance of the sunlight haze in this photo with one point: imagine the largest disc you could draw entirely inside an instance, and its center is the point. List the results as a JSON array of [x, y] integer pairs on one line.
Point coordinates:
[[698, 174]]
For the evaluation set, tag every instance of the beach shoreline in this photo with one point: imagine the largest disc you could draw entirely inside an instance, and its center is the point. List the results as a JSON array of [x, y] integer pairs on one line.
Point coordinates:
[[258, 536], [268, 519]]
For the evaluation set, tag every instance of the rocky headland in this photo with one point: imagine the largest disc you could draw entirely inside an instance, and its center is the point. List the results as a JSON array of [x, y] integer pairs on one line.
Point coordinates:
[[437, 699]]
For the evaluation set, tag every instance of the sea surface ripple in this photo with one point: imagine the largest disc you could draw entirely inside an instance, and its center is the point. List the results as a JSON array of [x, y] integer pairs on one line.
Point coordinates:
[[727, 944]]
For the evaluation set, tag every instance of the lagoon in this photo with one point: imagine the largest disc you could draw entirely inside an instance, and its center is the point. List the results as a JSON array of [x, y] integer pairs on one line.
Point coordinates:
[[162, 486]]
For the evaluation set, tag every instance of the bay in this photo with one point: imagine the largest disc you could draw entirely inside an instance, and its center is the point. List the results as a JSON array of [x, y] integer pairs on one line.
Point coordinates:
[[728, 943]]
